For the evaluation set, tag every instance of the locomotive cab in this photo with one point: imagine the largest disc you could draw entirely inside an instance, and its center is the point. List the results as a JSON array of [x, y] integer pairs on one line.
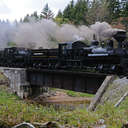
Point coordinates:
[[70, 53], [71, 50], [64, 47]]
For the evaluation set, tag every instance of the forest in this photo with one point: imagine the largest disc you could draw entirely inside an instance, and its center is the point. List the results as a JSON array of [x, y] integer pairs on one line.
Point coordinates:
[[87, 12]]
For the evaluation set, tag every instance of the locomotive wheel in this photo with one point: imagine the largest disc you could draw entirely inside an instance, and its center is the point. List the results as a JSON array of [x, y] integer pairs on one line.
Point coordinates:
[[6, 65]]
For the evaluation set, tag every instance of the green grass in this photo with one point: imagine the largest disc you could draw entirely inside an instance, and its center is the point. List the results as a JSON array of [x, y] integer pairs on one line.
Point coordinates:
[[14, 111], [78, 94], [73, 93]]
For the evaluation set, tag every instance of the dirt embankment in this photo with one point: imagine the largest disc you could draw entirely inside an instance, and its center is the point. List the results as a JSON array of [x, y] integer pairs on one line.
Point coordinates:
[[60, 97]]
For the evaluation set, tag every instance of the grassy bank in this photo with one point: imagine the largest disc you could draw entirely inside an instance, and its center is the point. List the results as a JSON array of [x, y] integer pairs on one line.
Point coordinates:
[[14, 111], [73, 93]]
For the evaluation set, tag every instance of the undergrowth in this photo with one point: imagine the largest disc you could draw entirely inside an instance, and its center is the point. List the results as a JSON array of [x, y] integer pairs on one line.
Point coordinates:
[[14, 110]]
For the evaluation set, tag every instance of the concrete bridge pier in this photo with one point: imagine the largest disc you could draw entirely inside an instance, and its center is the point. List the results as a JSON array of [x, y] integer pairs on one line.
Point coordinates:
[[17, 81]]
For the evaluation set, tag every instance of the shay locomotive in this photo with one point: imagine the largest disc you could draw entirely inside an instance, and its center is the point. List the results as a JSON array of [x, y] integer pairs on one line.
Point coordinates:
[[72, 56]]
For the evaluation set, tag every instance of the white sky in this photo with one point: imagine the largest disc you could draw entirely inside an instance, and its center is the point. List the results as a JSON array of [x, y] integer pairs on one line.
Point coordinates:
[[16, 9]]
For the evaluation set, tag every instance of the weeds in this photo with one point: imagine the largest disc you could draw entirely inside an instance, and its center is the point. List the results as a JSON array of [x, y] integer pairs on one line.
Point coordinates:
[[14, 111], [78, 94]]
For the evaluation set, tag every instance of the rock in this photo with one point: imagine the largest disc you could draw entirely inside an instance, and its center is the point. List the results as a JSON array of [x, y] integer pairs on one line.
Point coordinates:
[[101, 121], [102, 126], [115, 91], [125, 125], [24, 125], [48, 125]]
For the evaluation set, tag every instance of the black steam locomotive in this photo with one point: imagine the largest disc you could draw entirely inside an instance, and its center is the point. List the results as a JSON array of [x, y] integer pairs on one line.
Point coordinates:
[[72, 56]]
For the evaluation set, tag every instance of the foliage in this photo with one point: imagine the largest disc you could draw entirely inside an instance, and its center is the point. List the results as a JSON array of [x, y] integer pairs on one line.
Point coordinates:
[[11, 44], [85, 12], [114, 9], [125, 23], [98, 11], [88, 11], [35, 16], [68, 12], [14, 111], [61, 20], [76, 13], [46, 13], [78, 94], [26, 18], [81, 9], [60, 14]]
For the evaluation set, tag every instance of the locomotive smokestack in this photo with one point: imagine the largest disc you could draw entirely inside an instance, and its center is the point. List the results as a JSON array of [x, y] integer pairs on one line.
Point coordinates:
[[120, 36]]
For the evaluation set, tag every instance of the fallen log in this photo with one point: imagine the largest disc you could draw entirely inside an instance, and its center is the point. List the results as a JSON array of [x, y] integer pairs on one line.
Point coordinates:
[[100, 92]]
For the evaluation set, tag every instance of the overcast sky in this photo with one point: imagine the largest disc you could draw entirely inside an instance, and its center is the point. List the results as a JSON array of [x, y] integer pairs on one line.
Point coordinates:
[[16, 9]]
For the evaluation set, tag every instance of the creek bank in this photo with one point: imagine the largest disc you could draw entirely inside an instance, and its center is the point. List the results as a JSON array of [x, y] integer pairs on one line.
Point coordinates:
[[60, 99]]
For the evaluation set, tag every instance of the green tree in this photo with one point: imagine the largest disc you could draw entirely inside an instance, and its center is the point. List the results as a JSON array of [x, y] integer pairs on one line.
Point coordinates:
[[26, 18], [98, 11], [68, 12], [114, 9], [125, 23], [35, 16], [60, 14], [124, 11], [60, 19], [46, 13], [81, 9], [21, 20], [76, 13]]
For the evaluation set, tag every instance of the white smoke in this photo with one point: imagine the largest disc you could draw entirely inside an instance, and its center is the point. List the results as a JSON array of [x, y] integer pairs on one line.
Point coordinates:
[[6, 30], [48, 34], [103, 30]]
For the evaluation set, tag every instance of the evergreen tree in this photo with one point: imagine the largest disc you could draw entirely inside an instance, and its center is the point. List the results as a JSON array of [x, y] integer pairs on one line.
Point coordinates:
[[68, 12], [81, 9], [114, 9], [124, 11], [98, 11], [124, 14], [21, 20], [26, 18], [76, 13], [35, 15], [59, 15], [46, 13]]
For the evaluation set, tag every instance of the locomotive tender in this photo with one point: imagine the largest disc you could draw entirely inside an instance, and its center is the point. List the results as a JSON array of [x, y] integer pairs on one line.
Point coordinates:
[[73, 56]]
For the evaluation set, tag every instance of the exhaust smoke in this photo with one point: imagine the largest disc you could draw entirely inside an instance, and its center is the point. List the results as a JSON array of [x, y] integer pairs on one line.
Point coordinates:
[[48, 34]]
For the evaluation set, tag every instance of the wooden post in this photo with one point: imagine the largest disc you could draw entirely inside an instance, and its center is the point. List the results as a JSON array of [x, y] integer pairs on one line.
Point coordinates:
[[121, 99], [100, 92]]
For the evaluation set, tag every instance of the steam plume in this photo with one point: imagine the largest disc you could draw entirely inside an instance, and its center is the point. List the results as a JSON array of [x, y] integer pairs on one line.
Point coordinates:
[[47, 34]]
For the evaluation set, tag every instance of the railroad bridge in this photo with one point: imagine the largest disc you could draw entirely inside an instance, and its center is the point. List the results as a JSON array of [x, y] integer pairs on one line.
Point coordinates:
[[26, 82]]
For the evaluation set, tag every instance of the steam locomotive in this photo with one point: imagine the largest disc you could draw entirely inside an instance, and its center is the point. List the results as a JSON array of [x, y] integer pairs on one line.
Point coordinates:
[[73, 56]]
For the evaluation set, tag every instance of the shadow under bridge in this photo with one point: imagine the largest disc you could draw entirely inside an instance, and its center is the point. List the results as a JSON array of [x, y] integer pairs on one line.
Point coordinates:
[[69, 80]]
